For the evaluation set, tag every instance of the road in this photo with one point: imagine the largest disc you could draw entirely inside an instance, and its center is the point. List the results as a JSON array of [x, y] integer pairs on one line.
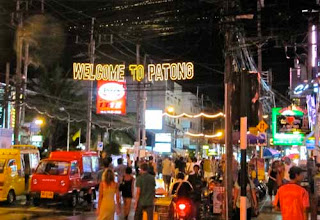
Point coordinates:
[[22, 211]]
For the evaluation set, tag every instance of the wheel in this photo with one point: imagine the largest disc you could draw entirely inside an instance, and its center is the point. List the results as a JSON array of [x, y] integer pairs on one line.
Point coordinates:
[[36, 201], [11, 198], [73, 200]]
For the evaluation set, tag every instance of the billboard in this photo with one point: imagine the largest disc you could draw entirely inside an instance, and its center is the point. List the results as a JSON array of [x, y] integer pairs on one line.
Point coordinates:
[[162, 147], [289, 126], [153, 119], [163, 137], [111, 97]]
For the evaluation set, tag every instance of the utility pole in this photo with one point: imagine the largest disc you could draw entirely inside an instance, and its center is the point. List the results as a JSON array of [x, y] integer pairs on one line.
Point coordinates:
[[138, 117], [25, 78], [260, 111], [144, 106], [243, 146], [18, 75], [228, 127], [6, 97], [89, 113]]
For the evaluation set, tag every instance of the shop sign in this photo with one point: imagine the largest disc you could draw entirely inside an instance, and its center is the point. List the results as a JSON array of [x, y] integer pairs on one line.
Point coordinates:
[[111, 97], [289, 125]]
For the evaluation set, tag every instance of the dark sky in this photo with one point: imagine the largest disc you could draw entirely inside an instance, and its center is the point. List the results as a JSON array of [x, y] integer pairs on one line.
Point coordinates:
[[170, 31]]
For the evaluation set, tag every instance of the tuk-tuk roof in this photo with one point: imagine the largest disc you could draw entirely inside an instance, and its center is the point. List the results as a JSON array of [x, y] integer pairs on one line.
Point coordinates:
[[7, 152], [73, 155]]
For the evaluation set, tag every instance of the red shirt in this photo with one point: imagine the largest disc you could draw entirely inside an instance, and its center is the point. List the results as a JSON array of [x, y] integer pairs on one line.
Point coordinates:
[[293, 200]]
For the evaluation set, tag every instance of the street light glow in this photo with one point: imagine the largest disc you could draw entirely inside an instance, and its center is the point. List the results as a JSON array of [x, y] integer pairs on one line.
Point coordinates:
[[38, 122], [170, 109]]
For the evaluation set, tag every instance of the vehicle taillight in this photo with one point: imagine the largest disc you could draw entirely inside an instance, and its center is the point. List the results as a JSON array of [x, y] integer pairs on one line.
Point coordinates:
[[62, 183], [35, 181], [182, 206]]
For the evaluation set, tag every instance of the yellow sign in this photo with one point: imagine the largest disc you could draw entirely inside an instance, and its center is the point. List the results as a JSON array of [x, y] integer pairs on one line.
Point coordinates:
[[116, 72], [253, 130], [262, 126]]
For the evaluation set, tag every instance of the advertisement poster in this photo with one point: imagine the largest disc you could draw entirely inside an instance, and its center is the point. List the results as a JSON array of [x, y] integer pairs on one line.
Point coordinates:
[[111, 97], [259, 163], [5, 138], [218, 200]]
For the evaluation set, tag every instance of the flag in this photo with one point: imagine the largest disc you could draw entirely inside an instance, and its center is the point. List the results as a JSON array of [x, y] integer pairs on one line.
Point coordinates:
[[76, 135]]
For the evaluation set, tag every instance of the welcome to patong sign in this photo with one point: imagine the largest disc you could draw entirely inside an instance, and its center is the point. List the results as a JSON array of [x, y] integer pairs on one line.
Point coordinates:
[[116, 72]]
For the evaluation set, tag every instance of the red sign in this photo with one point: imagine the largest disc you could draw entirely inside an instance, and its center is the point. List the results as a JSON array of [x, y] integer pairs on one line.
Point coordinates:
[[111, 97]]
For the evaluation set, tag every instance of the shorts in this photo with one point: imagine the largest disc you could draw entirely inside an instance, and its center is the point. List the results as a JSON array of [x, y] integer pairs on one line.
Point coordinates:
[[166, 179]]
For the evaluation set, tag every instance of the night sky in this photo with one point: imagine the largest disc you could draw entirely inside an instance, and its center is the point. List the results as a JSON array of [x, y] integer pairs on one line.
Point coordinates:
[[169, 31]]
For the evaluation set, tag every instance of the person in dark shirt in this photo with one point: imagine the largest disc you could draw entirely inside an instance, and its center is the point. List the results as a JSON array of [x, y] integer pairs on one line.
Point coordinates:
[[180, 165], [184, 187], [196, 181]]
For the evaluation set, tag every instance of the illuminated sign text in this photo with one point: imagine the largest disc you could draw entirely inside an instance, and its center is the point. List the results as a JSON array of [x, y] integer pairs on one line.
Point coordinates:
[[116, 72]]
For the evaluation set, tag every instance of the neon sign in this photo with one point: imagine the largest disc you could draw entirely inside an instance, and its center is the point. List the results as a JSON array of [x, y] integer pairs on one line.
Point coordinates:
[[301, 88], [111, 97], [289, 126], [111, 72]]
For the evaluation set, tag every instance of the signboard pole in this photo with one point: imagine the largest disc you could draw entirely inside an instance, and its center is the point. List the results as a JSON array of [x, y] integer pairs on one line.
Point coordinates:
[[243, 146], [138, 110], [144, 107]]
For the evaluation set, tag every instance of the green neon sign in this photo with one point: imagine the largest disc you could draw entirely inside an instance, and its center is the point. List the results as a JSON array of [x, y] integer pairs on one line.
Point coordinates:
[[287, 126]]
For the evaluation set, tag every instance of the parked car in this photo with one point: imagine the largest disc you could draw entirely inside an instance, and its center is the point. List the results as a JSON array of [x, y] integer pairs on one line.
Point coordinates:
[[66, 176], [17, 165]]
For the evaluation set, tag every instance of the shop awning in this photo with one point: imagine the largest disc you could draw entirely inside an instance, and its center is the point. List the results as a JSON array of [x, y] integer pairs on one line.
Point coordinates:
[[269, 152]]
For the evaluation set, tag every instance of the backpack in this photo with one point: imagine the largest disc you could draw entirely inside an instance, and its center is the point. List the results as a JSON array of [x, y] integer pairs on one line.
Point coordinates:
[[151, 169]]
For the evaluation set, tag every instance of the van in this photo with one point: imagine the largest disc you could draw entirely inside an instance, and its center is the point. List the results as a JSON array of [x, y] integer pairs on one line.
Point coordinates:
[[66, 176], [17, 165]]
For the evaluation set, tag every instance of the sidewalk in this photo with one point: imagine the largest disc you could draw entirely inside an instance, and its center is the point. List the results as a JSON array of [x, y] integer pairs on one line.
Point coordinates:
[[267, 211]]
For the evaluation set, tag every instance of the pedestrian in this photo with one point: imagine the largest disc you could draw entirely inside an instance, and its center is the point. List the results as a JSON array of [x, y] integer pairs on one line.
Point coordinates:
[[159, 167], [167, 172], [181, 165], [120, 169], [251, 202], [292, 199], [129, 162], [213, 166], [101, 171], [152, 166], [136, 166], [189, 166], [287, 165], [126, 188], [196, 181], [272, 181], [145, 193], [107, 189]]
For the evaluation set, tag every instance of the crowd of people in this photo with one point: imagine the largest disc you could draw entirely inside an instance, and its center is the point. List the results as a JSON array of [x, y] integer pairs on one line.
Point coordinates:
[[185, 178]]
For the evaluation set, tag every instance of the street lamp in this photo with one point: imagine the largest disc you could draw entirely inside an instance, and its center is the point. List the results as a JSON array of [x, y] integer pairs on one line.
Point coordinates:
[[68, 132]]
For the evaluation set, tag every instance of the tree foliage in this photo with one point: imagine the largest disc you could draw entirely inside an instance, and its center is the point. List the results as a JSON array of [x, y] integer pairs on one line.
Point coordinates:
[[46, 39], [112, 148]]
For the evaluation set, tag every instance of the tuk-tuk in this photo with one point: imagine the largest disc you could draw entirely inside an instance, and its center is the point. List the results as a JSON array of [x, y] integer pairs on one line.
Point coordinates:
[[17, 165]]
